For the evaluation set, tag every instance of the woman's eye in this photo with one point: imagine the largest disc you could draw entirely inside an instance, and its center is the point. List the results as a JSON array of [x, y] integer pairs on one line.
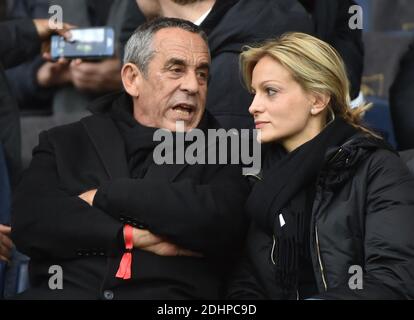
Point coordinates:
[[271, 91]]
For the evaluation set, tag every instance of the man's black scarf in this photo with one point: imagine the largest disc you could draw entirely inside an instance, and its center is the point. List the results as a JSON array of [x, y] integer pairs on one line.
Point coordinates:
[[139, 139], [139, 142], [281, 204]]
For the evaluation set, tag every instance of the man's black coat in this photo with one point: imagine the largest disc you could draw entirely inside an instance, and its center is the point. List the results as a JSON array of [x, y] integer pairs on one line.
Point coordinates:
[[198, 207]]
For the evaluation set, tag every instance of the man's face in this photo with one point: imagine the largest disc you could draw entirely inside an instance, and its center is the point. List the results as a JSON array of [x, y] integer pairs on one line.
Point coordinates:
[[175, 87]]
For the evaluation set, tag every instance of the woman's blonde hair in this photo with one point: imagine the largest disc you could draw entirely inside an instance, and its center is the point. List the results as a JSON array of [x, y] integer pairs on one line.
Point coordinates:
[[315, 65]]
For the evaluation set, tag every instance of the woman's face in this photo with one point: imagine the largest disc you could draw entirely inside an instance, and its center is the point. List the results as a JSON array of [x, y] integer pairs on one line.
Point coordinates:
[[281, 108]]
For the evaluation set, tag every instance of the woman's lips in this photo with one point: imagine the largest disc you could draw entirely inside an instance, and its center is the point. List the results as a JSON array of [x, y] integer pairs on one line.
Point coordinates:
[[260, 124]]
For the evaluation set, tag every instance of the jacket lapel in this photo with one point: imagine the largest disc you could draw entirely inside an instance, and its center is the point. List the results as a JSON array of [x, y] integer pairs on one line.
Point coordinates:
[[108, 144], [166, 171], [110, 147]]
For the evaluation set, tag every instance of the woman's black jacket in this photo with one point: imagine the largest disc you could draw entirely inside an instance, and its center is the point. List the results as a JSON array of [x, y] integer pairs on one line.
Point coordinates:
[[363, 215]]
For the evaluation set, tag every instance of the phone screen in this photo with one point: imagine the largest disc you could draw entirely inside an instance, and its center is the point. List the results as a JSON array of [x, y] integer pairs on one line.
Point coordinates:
[[88, 43]]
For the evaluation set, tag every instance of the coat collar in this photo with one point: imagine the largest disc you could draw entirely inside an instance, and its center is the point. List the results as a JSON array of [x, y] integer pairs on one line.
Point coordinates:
[[108, 144], [110, 148]]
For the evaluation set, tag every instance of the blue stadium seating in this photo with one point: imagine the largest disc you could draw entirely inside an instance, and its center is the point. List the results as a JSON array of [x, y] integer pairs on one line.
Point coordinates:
[[17, 280], [386, 15], [366, 7], [379, 119]]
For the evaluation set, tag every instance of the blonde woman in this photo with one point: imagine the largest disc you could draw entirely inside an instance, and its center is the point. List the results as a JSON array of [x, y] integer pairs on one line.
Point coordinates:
[[332, 213]]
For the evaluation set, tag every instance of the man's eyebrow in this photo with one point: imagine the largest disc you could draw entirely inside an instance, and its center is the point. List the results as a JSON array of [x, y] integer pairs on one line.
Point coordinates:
[[180, 62], [204, 65], [175, 61]]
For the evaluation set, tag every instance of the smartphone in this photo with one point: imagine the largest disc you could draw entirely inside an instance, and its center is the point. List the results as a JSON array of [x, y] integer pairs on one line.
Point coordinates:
[[86, 43]]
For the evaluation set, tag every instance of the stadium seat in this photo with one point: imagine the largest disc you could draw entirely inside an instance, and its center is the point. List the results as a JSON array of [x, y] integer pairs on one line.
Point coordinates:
[[17, 276], [383, 52], [366, 7], [377, 17], [378, 118]]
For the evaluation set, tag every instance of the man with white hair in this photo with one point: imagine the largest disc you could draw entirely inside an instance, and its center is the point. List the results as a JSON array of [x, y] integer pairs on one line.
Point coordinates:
[[120, 226]]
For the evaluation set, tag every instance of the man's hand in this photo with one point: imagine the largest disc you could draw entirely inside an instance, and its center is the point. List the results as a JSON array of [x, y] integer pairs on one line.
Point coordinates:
[[88, 196], [98, 77], [147, 241], [52, 74], [45, 31], [168, 249], [6, 245]]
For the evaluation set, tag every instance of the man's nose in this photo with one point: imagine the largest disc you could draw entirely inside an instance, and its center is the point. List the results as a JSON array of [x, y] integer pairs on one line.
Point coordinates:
[[190, 83]]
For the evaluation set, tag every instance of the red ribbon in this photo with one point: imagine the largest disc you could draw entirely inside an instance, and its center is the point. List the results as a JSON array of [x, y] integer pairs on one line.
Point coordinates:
[[124, 270]]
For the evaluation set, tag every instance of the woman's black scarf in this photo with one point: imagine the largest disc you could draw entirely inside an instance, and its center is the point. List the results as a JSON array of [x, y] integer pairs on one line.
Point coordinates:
[[286, 194]]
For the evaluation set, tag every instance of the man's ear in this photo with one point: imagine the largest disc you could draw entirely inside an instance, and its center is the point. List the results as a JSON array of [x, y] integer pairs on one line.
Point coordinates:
[[319, 102], [131, 79]]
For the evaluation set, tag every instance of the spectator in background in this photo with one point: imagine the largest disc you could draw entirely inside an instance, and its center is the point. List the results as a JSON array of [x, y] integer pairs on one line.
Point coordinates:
[[19, 42], [231, 24], [3, 10], [20, 39], [5, 242], [331, 18], [65, 89], [402, 102]]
